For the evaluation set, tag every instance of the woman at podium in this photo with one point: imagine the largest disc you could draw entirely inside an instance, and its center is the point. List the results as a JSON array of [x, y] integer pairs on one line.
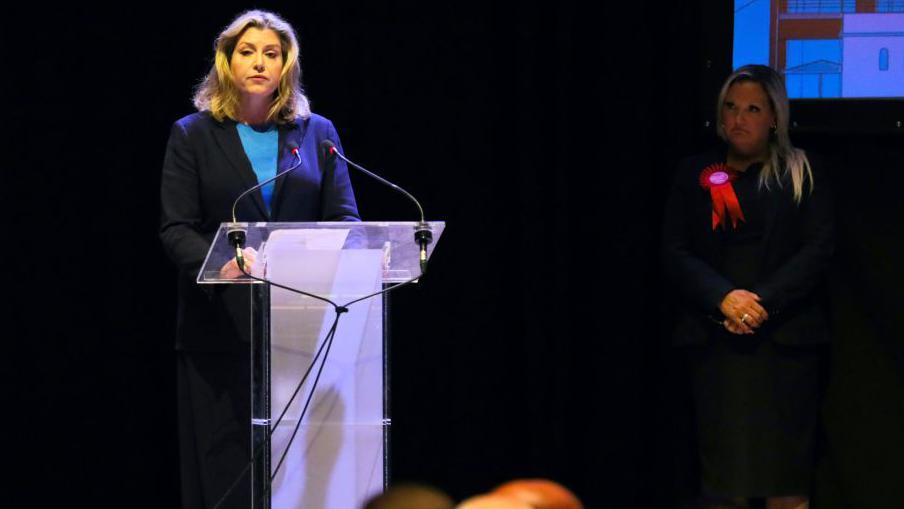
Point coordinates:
[[747, 239], [253, 118]]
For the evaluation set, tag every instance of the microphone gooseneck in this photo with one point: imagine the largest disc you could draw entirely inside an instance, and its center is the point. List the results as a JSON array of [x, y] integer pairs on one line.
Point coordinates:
[[251, 189], [235, 231], [423, 234]]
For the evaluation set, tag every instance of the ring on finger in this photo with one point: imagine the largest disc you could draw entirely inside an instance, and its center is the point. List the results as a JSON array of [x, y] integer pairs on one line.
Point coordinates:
[[744, 318]]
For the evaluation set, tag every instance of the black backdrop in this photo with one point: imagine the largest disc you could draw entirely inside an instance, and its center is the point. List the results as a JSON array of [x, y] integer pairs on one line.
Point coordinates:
[[544, 135]]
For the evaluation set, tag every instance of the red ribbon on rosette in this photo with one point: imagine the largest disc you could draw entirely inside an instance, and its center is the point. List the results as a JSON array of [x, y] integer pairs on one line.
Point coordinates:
[[718, 178]]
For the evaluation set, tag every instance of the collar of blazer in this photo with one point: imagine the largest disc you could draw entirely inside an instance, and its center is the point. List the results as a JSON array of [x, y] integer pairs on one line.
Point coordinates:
[[290, 136]]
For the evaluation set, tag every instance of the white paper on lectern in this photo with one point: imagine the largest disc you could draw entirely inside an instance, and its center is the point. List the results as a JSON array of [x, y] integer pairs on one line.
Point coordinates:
[[332, 239]]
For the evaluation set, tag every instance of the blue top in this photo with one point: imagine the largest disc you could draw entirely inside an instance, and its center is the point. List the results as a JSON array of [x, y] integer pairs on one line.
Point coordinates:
[[262, 149]]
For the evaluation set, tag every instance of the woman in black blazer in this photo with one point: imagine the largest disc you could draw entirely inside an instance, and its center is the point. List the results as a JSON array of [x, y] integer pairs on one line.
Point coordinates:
[[252, 117], [747, 238]]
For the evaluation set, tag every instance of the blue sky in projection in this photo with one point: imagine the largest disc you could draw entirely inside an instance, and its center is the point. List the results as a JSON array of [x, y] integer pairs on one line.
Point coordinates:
[[817, 68], [751, 32]]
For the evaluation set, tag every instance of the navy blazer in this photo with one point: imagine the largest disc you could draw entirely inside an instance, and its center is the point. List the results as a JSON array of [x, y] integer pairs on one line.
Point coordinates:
[[797, 246], [204, 170]]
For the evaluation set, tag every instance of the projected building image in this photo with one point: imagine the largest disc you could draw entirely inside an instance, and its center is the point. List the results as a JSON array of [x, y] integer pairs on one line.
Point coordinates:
[[825, 48]]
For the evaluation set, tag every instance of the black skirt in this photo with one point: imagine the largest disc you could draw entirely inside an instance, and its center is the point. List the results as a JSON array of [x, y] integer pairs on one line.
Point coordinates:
[[757, 405]]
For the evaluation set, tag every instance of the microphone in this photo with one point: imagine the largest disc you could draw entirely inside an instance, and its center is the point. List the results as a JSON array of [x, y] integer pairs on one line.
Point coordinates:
[[423, 234], [235, 231]]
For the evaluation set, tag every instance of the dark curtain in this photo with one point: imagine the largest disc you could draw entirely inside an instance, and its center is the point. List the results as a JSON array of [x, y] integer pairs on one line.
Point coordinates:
[[545, 136]]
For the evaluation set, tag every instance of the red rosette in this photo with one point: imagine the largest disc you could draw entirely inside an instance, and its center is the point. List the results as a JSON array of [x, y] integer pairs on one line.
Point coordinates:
[[717, 178]]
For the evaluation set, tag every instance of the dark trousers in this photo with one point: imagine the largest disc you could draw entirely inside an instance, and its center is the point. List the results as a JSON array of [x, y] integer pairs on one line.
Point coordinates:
[[214, 428]]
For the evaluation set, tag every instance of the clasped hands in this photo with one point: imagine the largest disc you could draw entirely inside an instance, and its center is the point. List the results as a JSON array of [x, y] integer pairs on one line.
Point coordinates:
[[743, 312]]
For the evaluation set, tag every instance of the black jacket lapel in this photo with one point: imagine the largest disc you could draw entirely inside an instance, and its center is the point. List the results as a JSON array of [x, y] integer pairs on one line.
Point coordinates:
[[777, 202], [291, 136], [227, 137]]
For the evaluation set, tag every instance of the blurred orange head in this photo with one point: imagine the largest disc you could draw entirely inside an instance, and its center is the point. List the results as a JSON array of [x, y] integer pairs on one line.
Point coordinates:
[[540, 494], [493, 501]]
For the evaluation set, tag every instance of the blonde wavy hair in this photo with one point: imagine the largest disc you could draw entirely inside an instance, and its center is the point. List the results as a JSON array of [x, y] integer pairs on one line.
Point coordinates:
[[218, 93], [784, 160]]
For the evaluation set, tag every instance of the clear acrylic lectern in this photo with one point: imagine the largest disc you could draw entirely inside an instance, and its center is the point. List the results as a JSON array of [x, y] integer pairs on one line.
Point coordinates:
[[338, 455]]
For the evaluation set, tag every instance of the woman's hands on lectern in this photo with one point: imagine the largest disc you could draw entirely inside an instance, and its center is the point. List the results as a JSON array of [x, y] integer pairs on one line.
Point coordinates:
[[231, 269]]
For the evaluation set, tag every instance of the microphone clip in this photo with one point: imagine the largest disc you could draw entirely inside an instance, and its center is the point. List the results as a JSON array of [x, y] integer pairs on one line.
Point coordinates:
[[423, 235], [236, 233]]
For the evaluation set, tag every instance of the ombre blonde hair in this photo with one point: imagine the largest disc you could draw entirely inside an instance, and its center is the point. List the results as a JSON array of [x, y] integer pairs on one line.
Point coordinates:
[[784, 160], [218, 93]]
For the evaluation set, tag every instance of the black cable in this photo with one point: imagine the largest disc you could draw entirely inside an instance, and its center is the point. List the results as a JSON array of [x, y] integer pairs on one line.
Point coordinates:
[[255, 453], [298, 387], [381, 292], [336, 308], [328, 340], [328, 301], [235, 482]]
